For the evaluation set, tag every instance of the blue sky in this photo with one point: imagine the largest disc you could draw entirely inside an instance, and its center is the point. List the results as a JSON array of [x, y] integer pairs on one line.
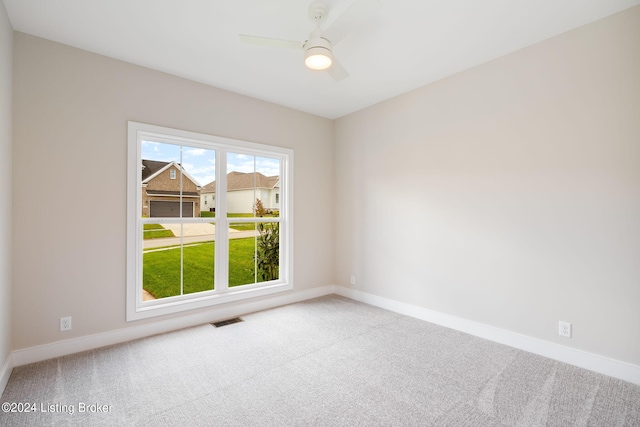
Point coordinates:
[[201, 163]]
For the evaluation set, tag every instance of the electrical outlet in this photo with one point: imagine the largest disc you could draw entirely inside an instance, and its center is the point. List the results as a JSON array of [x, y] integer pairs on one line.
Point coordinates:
[[564, 329], [353, 280], [65, 323]]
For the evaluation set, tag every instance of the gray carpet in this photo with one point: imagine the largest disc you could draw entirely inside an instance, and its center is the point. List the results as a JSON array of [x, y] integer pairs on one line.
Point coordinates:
[[328, 361]]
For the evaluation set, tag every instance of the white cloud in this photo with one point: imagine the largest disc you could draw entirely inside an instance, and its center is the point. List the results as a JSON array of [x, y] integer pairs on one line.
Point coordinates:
[[194, 152], [158, 151], [202, 172], [247, 164], [206, 179]]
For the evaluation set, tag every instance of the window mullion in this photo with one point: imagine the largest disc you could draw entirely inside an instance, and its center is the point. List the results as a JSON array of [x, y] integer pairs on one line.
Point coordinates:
[[181, 230], [222, 224]]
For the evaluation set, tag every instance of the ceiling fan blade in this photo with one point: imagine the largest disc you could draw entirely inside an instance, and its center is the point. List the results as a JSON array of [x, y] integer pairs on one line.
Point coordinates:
[[337, 71], [359, 12], [266, 41]]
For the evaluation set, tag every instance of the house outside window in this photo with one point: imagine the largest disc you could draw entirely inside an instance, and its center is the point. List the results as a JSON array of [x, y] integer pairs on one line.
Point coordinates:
[[178, 258], [160, 196]]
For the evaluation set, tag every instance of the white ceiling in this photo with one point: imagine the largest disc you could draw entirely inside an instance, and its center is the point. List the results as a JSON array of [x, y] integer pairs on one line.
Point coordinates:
[[407, 44]]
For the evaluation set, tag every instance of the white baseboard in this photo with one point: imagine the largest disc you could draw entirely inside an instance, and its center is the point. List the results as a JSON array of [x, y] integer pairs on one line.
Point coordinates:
[[593, 362], [89, 342], [5, 372]]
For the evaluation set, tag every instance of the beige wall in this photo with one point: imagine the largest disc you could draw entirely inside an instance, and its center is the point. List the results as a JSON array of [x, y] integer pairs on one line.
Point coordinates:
[[71, 110], [6, 62], [508, 194]]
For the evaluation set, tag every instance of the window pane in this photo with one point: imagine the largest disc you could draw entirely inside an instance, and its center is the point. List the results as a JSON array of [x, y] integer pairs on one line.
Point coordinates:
[[252, 185], [254, 252], [198, 171], [268, 185], [268, 251], [160, 269], [163, 258], [160, 193], [242, 248], [198, 257], [173, 177], [178, 257]]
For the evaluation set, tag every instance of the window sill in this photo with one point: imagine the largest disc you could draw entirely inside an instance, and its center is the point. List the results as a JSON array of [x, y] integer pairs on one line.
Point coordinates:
[[149, 309]]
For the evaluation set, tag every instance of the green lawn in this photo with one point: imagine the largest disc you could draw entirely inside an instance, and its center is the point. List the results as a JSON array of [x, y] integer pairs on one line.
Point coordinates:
[[155, 231], [243, 226], [161, 269], [240, 226]]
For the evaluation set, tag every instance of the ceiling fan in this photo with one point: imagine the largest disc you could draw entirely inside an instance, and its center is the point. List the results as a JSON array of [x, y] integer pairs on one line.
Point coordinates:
[[318, 48]]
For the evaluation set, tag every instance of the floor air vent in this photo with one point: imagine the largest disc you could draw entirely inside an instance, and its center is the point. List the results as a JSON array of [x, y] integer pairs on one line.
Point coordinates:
[[226, 322]]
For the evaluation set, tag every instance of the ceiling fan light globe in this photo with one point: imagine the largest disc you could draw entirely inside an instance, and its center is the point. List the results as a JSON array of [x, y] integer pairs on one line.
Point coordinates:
[[318, 62], [318, 58]]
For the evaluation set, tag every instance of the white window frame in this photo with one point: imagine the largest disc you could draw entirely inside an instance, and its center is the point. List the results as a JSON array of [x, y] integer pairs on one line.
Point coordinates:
[[136, 309]]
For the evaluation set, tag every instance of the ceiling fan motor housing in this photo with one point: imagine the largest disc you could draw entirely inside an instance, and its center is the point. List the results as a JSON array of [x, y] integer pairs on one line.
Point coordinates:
[[317, 53], [317, 42]]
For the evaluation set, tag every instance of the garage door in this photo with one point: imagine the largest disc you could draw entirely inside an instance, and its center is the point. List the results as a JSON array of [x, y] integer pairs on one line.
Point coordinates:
[[170, 209]]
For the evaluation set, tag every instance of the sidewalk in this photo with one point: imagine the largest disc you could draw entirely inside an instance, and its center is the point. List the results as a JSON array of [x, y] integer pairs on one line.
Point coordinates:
[[191, 237]]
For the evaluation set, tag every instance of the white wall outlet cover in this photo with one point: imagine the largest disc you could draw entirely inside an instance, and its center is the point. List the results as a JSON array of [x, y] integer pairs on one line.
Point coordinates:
[[564, 329], [65, 323]]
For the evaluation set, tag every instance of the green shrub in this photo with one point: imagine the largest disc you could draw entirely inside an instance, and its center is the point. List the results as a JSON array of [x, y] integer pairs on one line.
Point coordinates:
[[268, 251], [267, 246]]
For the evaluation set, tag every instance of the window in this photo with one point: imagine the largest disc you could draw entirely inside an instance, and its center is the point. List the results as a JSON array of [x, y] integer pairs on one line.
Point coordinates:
[[181, 256]]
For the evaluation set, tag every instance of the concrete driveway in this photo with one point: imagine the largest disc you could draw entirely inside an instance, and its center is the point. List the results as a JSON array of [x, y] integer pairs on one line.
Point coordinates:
[[199, 229]]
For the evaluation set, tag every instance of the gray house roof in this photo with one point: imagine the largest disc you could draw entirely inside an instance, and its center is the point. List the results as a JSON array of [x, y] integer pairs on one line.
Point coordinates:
[[150, 168], [243, 181]]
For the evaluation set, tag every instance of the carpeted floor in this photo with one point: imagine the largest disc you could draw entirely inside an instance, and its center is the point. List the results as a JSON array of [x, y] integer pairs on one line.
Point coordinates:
[[328, 361]]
